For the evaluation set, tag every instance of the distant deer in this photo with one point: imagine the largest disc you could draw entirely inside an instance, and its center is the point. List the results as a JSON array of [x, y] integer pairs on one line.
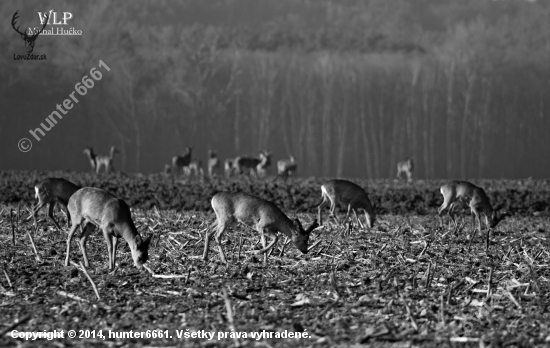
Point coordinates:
[[248, 164], [228, 167], [213, 162], [92, 157], [181, 161], [106, 161], [265, 162], [167, 169], [92, 206], [196, 168], [285, 168], [351, 195], [52, 190], [264, 216], [405, 167], [478, 202]]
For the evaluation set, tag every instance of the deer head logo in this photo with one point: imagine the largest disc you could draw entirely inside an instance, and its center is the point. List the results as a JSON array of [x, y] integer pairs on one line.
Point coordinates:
[[29, 39]]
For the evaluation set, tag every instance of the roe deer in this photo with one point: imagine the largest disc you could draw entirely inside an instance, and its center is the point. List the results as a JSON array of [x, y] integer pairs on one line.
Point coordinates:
[[182, 161], [350, 194], [228, 167], [91, 157], [92, 206], [405, 167], [477, 200], [50, 191], [106, 161], [265, 162], [286, 167], [213, 162], [242, 163], [264, 216]]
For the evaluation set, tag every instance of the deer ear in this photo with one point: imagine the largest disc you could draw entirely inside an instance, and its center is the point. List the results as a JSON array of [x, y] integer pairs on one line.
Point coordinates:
[[147, 241], [298, 225]]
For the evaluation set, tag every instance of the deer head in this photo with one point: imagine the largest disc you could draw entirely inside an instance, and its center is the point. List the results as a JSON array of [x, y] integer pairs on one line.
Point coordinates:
[[29, 39]]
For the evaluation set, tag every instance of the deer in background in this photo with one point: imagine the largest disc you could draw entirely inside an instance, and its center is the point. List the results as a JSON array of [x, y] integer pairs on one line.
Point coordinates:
[[285, 168], [228, 167], [91, 207], [351, 195], [265, 162], [477, 199], [106, 161], [181, 161], [167, 169], [405, 167], [52, 190], [264, 216], [250, 164], [92, 157], [213, 162]]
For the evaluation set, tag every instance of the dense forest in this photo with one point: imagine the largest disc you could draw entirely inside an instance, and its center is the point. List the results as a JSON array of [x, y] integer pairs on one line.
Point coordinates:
[[347, 87]]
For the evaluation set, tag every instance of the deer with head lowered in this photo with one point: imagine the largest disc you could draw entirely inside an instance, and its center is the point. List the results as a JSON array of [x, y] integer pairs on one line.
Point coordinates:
[[91, 207], [228, 167], [182, 161], [52, 190], [477, 199], [405, 167], [29, 39], [350, 194], [264, 216], [92, 157], [285, 168]]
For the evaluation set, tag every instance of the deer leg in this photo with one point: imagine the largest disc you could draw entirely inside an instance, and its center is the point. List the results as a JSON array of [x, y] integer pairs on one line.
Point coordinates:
[[83, 239], [50, 214], [107, 235], [68, 216], [209, 233], [69, 238], [323, 204], [221, 229], [359, 223], [115, 244], [440, 211], [333, 211], [35, 210], [262, 234]]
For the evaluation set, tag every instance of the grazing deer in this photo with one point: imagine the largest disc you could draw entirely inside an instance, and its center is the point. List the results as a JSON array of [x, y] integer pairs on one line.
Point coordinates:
[[213, 162], [264, 216], [478, 202], [92, 206], [350, 194], [405, 167], [242, 163], [106, 161], [167, 169], [286, 167], [265, 162], [181, 161], [228, 167], [92, 157], [52, 190], [195, 167]]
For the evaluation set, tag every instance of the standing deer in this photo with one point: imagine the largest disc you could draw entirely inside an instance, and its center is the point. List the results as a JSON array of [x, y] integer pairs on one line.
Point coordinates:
[[286, 167], [242, 164], [405, 167], [92, 206], [350, 194], [213, 162], [265, 162], [478, 202], [264, 216], [106, 161], [29, 39], [167, 169], [228, 167], [182, 161], [92, 157], [52, 190]]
